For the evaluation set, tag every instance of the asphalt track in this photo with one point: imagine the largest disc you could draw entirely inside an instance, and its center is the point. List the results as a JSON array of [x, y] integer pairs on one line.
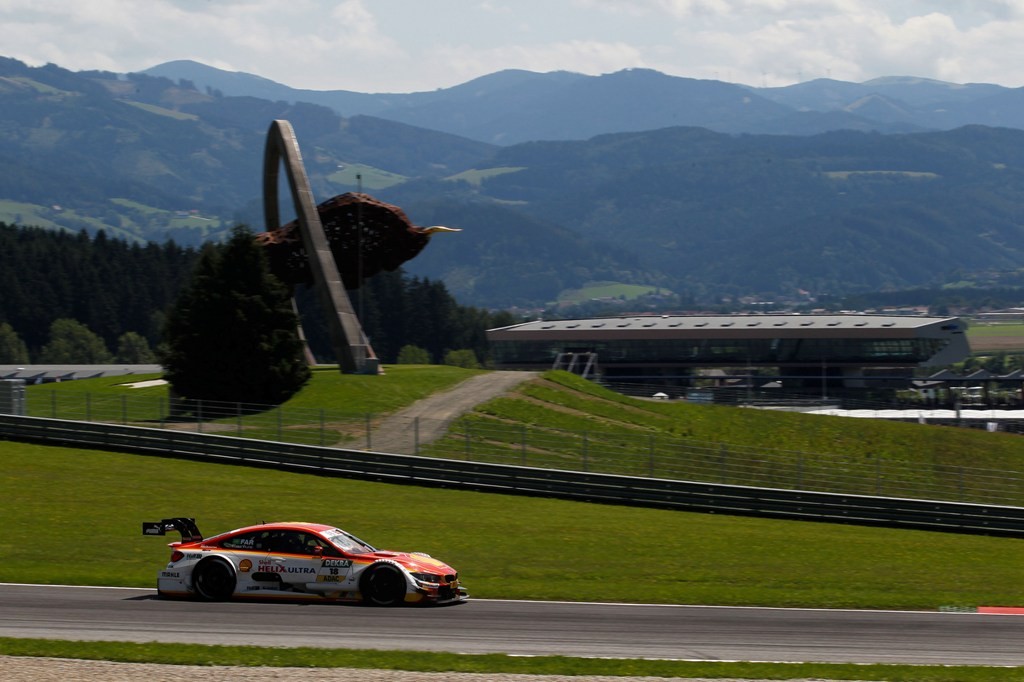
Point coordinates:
[[523, 628]]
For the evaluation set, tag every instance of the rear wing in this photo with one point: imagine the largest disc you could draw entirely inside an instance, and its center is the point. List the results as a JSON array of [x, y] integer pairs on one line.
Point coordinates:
[[187, 527]]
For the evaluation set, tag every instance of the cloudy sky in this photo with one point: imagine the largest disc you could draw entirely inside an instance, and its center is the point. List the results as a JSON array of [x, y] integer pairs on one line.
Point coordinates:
[[416, 45]]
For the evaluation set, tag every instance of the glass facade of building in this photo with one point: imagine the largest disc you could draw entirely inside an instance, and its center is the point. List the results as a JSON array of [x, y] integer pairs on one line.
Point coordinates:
[[724, 352]]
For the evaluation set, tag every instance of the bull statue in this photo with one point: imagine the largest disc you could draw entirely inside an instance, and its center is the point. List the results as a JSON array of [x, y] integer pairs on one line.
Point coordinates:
[[334, 246], [366, 236]]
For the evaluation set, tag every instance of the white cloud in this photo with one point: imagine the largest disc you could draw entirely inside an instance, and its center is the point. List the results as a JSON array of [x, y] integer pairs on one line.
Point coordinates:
[[858, 43], [387, 45]]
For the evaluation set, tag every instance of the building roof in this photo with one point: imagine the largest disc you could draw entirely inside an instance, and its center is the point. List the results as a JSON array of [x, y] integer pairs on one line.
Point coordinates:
[[719, 326], [48, 373], [667, 342]]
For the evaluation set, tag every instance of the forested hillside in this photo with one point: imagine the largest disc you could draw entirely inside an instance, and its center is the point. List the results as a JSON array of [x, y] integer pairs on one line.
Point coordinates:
[[108, 152], [830, 214], [710, 217]]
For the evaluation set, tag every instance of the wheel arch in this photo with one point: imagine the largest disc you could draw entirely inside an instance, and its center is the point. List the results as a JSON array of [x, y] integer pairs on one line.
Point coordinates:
[[385, 564], [205, 564]]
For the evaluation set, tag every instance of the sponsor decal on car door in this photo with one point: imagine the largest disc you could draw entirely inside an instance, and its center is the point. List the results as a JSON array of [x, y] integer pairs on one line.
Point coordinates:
[[295, 571], [334, 574], [294, 559]]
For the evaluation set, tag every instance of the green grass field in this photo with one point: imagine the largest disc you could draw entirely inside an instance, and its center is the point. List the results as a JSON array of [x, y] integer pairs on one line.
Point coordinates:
[[986, 338], [982, 330], [605, 290], [369, 177], [637, 437], [345, 394], [870, 457], [505, 546], [476, 176]]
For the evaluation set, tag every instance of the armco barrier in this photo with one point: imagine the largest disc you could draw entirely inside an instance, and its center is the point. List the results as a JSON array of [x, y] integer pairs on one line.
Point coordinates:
[[502, 478]]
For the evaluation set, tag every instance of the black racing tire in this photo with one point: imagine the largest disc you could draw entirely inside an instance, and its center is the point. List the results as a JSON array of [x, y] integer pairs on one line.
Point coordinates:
[[214, 580], [383, 585]]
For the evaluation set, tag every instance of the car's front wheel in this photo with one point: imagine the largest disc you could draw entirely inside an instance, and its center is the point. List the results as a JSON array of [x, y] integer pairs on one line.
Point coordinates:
[[214, 580], [383, 585]]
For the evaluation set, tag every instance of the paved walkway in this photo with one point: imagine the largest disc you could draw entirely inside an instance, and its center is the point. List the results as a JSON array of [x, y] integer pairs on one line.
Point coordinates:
[[431, 416]]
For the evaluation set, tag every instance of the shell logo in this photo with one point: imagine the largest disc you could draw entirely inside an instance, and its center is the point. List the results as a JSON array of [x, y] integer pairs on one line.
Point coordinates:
[[245, 566]]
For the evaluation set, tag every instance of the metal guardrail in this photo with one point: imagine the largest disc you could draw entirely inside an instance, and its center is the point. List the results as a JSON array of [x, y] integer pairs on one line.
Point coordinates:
[[480, 438], [502, 478]]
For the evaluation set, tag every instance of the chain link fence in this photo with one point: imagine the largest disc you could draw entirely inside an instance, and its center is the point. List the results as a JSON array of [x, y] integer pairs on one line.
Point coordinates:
[[485, 439]]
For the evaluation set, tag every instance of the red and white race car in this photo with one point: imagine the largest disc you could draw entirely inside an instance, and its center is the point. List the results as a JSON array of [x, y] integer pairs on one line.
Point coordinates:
[[298, 560]]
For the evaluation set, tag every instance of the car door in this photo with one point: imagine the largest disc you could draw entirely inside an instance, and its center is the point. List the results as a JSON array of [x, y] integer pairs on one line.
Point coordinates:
[[334, 573], [294, 558]]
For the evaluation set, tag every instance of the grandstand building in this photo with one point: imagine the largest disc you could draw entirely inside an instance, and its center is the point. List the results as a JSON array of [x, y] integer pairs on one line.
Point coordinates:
[[847, 350]]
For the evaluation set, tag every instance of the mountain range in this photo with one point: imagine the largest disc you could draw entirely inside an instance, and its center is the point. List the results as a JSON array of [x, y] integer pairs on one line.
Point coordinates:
[[513, 106], [618, 195]]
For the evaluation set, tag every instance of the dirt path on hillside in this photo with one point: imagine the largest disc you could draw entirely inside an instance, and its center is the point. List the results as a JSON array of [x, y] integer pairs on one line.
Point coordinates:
[[427, 420]]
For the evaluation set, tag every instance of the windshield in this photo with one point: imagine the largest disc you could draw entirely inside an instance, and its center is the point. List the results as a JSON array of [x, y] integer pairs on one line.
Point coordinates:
[[347, 542]]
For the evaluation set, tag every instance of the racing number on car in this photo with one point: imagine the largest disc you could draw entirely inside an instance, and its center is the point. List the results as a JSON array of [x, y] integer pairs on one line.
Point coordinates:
[[334, 571]]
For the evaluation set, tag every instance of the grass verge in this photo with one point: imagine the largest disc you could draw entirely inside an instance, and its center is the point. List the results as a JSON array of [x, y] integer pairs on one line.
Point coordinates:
[[248, 656], [562, 421]]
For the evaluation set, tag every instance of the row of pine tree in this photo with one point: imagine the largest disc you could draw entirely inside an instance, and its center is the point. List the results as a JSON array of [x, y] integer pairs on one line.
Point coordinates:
[[75, 298]]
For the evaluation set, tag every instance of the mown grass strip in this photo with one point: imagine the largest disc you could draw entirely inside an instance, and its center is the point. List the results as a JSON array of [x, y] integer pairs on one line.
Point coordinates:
[[420, 661], [504, 546]]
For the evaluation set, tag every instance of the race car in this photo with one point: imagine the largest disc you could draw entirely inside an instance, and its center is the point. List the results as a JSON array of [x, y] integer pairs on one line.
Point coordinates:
[[298, 561]]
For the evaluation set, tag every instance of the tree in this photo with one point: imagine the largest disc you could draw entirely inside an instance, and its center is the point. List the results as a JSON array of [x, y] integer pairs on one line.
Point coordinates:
[[232, 333], [133, 349], [12, 349], [413, 355], [462, 358], [72, 342]]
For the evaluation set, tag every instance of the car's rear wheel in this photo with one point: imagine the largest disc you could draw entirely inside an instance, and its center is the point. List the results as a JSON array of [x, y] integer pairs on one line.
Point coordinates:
[[383, 585], [214, 580]]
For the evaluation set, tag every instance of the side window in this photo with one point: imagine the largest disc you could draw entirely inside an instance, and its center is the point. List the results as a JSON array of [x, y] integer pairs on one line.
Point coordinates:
[[320, 547], [255, 541], [289, 542]]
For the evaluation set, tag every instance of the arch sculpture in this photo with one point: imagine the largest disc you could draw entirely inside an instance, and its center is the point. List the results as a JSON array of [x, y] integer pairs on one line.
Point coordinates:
[[334, 246]]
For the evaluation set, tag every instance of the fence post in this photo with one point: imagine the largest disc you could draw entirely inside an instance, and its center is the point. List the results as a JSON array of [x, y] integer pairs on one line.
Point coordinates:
[[238, 418], [124, 410], [522, 444], [322, 434], [369, 444], [280, 436], [53, 404], [722, 450], [585, 443], [88, 407], [468, 443], [416, 435], [650, 455], [199, 415]]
